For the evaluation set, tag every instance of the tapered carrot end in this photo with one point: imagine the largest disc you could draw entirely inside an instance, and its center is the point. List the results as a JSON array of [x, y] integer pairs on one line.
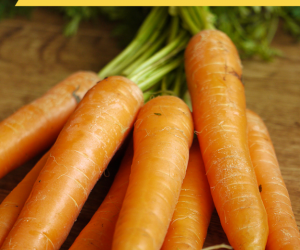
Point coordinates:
[[191, 217], [252, 232], [284, 232]]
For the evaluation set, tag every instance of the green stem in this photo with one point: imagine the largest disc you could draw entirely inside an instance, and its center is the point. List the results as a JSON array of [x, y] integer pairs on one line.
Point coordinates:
[[167, 82], [150, 93], [142, 74], [193, 28], [153, 18], [159, 74], [72, 27], [164, 83], [273, 28], [145, 31], [195, 17], [173, 10], [147, 95], [178, 80], [206, 17], [145, 47], [170, 50], [187, 99], [148, 53], [174, 29], [127, 52]]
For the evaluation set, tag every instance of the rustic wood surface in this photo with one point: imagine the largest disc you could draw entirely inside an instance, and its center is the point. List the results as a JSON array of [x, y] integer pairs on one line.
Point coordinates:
[[34, 56]]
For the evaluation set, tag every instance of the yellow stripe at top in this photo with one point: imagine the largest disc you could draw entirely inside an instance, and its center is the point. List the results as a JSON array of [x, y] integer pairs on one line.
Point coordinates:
[[157, 3]]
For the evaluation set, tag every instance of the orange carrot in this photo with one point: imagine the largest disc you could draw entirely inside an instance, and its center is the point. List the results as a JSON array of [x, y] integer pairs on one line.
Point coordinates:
[[213, 71], [162, 135], [34, 127], [12, 205], [284, 233], [79, 156], [193, 211], [98, 233]]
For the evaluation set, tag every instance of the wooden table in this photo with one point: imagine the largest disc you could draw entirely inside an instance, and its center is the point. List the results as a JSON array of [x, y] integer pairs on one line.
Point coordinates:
[[34, 56]]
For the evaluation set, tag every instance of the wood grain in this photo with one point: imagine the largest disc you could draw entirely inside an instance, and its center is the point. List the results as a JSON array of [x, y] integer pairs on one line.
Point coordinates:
[[34, 56]]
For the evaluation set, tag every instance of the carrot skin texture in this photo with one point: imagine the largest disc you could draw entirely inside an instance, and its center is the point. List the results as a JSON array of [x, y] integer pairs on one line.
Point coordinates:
[[283, 229], [34, 127], [98, 233], [188, 228], [162, 135], [213, 70], [79, 156], [12, 205]]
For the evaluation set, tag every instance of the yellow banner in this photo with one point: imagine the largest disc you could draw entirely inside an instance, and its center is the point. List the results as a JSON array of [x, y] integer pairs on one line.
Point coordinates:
[[156, 3]]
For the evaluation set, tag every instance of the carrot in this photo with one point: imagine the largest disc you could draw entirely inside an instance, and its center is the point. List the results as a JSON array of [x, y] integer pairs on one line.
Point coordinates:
[[193, 211], [284, 233], [98, 233], [213, 71], [34, 127], [79, 156], [12, 205], [162, 136]]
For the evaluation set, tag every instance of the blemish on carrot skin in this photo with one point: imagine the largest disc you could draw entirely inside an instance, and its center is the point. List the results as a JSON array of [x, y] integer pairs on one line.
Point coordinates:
[[77, 98], [260, 188], [242, 80], [234, 73], [159, 114], [106, 173]]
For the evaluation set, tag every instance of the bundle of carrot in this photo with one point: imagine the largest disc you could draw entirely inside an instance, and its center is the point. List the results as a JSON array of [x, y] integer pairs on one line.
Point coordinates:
[[75, 162], [164, 193]]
